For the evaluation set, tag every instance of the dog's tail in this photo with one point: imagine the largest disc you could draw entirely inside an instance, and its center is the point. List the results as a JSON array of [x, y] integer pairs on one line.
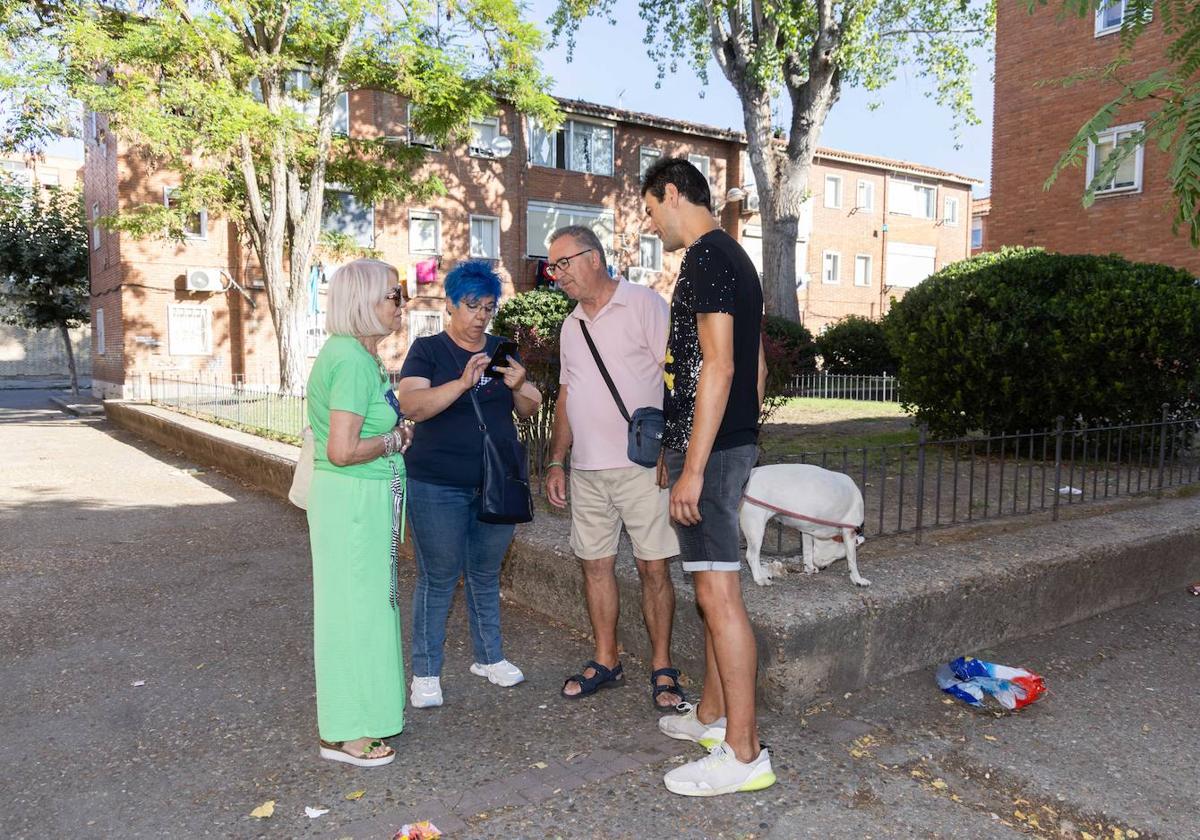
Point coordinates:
[[858, 532]]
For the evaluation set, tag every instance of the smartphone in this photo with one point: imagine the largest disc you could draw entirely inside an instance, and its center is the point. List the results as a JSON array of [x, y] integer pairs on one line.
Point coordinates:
[[506, 348]]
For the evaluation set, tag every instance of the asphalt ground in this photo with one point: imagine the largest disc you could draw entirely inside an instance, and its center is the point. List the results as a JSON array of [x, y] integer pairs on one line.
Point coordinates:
[[156, 681]]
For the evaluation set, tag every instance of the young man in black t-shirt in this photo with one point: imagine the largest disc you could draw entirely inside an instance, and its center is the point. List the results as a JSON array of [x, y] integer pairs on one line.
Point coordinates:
[[715, 376]]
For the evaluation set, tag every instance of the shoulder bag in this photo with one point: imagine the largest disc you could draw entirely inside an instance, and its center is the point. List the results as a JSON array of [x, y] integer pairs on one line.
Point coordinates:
[[646, 425], [302, 477]]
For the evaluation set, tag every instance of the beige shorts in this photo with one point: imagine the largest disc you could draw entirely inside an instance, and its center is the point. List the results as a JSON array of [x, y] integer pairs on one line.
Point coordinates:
[[602, 499]]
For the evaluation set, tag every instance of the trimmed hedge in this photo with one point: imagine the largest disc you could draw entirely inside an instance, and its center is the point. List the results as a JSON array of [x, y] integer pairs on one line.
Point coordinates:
[[533, 319], [1011, 340], [789, 349], [856, 345]]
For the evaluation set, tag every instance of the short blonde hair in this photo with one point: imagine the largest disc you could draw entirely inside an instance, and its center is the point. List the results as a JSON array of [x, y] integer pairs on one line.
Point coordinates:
[[354, 290]]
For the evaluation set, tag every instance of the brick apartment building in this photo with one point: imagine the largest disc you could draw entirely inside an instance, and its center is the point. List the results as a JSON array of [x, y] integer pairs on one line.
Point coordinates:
[[981, 208], [1034, 123], [871, 219], [47, 170]]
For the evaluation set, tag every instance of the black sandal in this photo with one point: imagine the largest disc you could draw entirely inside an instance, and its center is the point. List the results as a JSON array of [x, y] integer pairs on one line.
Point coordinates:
[[602, 678], [673, 687]]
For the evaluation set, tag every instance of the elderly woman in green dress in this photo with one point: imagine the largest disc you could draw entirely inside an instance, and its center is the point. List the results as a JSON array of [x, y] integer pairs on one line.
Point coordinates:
[[355, 516]]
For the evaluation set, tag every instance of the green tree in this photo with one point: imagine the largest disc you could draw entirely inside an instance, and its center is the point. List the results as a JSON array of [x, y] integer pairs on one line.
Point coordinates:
[[806, 51], [239, 97], [43, 262], [1174, 88], [856, 345]]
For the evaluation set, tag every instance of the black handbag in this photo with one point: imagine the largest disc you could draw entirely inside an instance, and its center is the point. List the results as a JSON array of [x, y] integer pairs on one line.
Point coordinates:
[[647, 424], [504, 497]]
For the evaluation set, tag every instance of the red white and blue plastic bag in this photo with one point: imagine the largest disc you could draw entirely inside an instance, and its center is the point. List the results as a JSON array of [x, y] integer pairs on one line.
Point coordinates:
[[970, 680]]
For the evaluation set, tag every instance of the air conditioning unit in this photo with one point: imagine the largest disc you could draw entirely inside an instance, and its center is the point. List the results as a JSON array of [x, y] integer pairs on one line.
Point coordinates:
[[751, 204], [204, 280]]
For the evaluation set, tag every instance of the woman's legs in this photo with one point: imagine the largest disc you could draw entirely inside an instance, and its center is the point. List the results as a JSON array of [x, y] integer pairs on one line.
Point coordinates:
[[485, 548], [441, 518]]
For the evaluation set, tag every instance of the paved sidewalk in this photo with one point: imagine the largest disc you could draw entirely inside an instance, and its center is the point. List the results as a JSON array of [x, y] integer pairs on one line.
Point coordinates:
[[156, 623]]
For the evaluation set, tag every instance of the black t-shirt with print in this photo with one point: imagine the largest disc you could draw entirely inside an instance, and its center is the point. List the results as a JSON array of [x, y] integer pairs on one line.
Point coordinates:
[[716, 276]]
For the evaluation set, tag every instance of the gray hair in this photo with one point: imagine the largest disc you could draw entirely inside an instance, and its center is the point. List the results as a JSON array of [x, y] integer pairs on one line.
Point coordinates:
[[584, 235]]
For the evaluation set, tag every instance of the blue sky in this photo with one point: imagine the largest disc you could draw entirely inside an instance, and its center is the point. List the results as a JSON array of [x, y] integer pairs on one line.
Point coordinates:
[[611, 67]]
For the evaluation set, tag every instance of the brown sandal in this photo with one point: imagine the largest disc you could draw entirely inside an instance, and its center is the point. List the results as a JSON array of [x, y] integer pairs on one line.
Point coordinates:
[[336, 751]]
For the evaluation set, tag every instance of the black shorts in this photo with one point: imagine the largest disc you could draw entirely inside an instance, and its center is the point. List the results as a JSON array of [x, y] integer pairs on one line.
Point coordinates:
[[713, 545]]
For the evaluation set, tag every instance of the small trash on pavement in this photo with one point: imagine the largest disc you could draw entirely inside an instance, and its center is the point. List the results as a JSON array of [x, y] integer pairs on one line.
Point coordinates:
[[312, 813], [424, 830], [1195, 588], [264, 811], [969, 679], [1070, 491]]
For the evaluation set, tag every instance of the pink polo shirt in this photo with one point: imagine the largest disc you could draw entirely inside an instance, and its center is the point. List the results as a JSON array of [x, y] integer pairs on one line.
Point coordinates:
[[630, 333]]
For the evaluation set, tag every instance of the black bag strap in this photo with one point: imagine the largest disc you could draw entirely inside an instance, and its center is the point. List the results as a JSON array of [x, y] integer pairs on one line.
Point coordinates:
[[603, 370], [471, 391]]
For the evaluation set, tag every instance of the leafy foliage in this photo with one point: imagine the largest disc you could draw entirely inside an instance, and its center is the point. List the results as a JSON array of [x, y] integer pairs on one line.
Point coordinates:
[[1172, 91], [790, 350], [43, 261], [856, 345], [1011, 340]]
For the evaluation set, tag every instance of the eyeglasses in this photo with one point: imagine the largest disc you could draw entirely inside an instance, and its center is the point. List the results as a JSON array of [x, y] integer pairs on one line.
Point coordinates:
[[476, 307], [397, 296], [558, 266]]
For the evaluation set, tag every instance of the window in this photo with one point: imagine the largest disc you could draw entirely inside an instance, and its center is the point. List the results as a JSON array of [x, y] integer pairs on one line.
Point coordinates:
[[702, 163], [189, 330], [415, 138], [49, 178], [862, 270], [16, 172], [646, 159], [914, 198], [344, 213], [99, 331], [579, 146], [977, 232], [950, 212], [651, 253], [341, 114], [484, 132], [95, 227], [542, 218], [833, 191], [1128, 177], [422, 324], [424, 232], [831, 266], [195, 226], [93, 127], [865, 198], [908, 265], [1111, 15], [485, 237]]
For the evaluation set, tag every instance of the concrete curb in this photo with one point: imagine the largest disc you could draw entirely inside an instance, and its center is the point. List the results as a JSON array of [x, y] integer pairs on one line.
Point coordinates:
[[819, 635], [78, 409]]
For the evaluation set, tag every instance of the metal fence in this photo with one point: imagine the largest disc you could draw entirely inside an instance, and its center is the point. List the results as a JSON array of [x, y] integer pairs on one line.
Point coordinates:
[[915, 487], [843, 386], [255, 408]]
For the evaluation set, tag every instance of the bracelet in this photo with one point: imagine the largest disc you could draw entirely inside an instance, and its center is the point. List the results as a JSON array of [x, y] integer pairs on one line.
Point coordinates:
[[556, 464], [391, 444]]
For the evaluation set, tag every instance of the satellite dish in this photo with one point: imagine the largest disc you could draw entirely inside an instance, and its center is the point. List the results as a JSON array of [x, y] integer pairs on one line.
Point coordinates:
[[735, 194], [501, 147]]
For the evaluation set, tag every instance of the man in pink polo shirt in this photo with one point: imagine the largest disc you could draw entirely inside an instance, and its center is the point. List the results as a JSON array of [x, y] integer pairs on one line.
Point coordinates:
[[628, 324]]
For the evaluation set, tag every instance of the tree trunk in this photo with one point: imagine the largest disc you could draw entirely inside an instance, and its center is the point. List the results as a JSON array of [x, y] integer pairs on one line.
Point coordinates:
[[782, 208], [291, 330], [66, 336]]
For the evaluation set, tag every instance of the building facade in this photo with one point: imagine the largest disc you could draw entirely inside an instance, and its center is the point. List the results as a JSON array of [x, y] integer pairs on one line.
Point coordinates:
[[981, 208], [152, 312], [1034, 123]]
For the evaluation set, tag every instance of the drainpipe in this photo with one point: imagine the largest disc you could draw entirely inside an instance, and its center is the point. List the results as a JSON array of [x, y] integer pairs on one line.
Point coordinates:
[[883, 233]]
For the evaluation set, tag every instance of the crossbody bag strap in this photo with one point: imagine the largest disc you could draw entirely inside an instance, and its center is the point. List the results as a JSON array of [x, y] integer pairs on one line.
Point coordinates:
[[603, 370], [471, 390]]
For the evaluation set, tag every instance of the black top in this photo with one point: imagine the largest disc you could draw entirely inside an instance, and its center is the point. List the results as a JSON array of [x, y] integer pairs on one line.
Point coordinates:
[[716, 276], [447, 448]]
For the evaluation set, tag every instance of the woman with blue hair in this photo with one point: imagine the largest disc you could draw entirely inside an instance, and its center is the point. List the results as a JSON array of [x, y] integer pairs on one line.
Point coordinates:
[[445, 474]]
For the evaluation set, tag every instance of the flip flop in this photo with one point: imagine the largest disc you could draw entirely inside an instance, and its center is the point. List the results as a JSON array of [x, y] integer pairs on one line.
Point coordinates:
[[336, 751]]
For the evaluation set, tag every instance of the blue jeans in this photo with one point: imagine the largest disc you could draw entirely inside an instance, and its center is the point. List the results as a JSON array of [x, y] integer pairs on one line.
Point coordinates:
[[449, 543]]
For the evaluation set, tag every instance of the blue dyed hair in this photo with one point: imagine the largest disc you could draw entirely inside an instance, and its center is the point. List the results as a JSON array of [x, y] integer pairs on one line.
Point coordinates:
[[472, 280]]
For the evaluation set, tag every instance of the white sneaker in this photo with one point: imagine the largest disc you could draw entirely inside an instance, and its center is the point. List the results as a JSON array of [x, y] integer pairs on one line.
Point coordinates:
[[501, 673], [426, 692], [687, 727], [720, 772]]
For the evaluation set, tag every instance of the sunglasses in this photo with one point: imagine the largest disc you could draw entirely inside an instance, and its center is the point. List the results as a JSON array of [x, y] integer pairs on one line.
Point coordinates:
[[397, 296]]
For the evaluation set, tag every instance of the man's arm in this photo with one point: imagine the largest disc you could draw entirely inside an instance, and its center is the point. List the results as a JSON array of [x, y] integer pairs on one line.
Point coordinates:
[[762, 375], [560, 442], [712, 396]]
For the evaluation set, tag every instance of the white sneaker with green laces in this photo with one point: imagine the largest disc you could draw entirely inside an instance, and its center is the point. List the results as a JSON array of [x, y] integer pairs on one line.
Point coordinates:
[[687, 727], [720, 772]]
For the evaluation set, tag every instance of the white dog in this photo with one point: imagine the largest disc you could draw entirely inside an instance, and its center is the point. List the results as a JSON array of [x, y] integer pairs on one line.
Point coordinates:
[[825, 506]]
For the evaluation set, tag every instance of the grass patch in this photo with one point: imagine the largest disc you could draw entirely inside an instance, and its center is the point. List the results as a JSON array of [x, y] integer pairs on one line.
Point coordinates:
[[812, 425]]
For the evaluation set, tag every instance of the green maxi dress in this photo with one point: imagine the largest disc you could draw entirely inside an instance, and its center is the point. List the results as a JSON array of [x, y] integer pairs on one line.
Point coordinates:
[[356, 629]]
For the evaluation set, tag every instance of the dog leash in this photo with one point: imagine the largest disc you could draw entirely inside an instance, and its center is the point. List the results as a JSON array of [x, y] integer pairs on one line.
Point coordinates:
[[795, 515]]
